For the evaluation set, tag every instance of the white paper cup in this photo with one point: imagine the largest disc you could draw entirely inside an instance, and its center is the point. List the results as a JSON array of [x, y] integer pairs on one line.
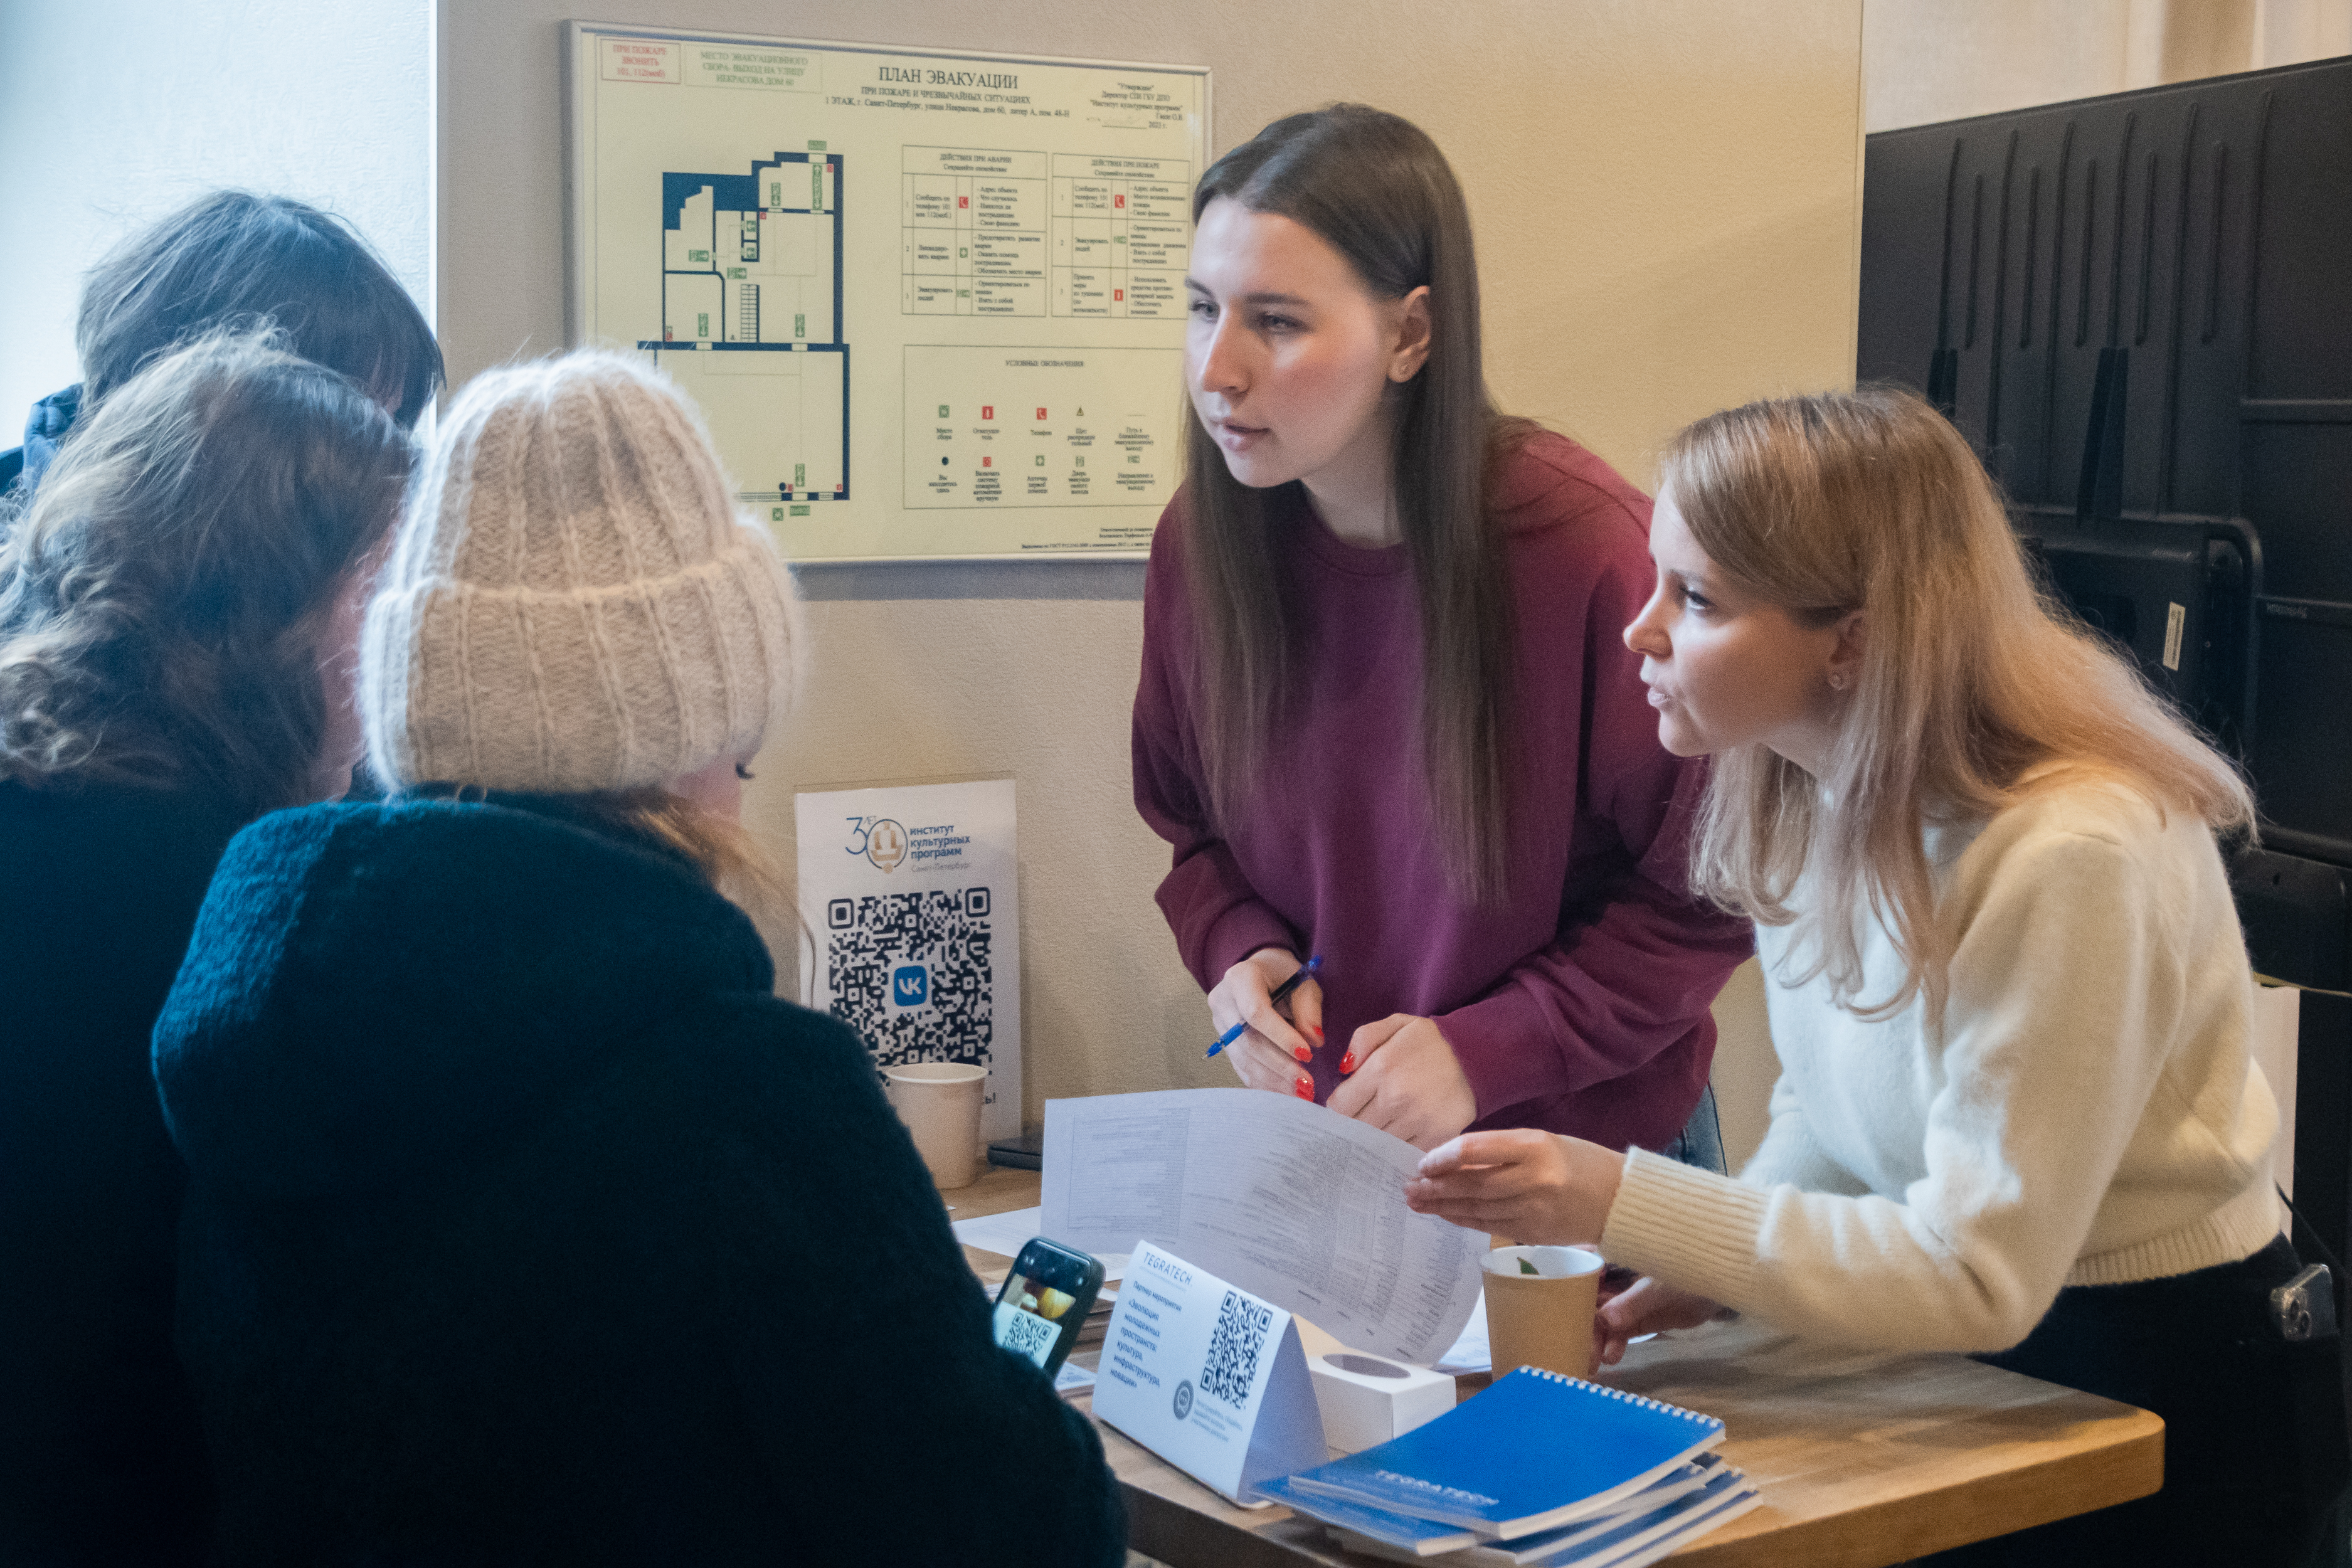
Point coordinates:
[[940, 1103]]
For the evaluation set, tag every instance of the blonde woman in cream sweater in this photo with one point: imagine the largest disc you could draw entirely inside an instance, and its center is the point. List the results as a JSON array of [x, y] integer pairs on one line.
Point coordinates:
[[2017, 1116]]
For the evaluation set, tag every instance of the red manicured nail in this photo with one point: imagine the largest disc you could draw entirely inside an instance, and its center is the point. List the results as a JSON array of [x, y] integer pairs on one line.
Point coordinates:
[[1316, 1030], [1306, 1089], [1303, 1054], [1348, 1062]]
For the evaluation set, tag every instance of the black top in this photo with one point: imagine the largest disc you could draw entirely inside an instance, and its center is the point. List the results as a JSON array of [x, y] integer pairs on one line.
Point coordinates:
[[526, 1224], [99, 1458]]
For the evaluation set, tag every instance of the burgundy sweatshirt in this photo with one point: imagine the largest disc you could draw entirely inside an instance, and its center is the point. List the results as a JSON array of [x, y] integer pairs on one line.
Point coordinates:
[[1579, 1001]]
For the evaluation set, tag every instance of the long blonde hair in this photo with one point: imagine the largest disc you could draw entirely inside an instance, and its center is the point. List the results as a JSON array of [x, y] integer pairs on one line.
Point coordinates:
[[1971, 677], [723, 849]]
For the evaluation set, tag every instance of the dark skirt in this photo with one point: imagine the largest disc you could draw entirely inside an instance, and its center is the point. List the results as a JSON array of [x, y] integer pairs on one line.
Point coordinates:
[[2251, 1472]]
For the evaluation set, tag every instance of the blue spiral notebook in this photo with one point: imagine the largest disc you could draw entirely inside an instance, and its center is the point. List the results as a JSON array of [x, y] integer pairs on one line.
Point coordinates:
[[1533, 1452], [1373, 1529], [1362, 1528], [1640, 1532]]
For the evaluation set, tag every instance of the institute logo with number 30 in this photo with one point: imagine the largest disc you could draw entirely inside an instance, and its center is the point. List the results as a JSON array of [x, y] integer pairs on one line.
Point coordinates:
[[880, 839]]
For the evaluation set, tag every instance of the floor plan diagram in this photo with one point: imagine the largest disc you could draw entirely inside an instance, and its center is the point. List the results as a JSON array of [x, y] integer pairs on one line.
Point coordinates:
[[750, 291], [930, 303]]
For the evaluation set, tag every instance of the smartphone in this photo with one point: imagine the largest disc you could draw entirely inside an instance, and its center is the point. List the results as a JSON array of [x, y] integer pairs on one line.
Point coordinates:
[[1045, 1300]]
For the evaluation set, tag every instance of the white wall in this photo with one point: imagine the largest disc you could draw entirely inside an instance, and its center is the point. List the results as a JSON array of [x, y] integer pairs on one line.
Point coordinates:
[[113, 112], [1666, 198]]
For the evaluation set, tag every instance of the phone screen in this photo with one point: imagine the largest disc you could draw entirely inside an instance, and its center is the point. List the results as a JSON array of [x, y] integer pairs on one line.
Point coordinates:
[[1029, 1317], [1045, 1300]]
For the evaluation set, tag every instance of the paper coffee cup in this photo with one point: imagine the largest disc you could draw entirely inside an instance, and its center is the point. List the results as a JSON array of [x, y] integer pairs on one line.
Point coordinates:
[[1543, 1318], [940, 1103]]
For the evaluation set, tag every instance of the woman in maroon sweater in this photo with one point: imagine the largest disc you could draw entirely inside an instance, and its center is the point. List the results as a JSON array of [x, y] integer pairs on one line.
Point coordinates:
[[1385, 715]]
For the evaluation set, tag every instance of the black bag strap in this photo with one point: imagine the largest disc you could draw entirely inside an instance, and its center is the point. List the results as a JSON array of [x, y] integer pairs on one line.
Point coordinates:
[[2335, 1268], [2325, 1448]]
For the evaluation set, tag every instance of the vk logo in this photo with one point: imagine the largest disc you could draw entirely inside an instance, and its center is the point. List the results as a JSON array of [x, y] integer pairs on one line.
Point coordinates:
[[910, 985]]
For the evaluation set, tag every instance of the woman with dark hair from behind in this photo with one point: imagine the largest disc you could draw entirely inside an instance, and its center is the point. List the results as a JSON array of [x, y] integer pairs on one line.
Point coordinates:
[[1384, 716], [525, 1223], [227, 259], [179, 613]]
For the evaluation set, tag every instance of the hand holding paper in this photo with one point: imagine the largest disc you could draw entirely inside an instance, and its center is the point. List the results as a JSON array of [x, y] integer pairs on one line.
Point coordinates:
[[1283, 1197], [1407, 1082], [1532, 1185]]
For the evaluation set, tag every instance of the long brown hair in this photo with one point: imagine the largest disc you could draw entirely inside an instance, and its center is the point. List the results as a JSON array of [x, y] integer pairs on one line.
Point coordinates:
[[1376, 189], [162, 602], [1975, 689]]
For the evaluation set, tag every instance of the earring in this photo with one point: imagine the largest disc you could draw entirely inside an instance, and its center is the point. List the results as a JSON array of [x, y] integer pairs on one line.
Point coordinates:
[[1837, 682]]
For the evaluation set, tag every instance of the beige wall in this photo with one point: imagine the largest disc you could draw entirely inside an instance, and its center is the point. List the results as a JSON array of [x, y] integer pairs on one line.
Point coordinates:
[[1666, 198], [1929, 60]]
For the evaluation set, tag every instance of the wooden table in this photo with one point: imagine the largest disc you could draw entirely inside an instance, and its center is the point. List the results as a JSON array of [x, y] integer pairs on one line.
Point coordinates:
[[1864, 1460]]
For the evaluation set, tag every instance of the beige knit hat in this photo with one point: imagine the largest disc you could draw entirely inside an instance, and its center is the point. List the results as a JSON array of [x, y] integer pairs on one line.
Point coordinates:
[[572, 603]]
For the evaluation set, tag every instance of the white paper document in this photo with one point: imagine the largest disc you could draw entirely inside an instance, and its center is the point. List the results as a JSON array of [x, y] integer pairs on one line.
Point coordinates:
[[1289, 1200], [1006, 1233], [1470, 1352]]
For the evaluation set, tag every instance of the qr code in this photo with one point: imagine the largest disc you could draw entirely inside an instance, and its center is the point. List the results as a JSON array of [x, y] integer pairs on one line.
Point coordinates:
[[1240, 1334], [912, 974], [1026, 1333]]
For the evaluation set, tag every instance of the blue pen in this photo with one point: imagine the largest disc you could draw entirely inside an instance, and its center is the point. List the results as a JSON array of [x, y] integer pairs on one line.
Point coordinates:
[[1280, 992]]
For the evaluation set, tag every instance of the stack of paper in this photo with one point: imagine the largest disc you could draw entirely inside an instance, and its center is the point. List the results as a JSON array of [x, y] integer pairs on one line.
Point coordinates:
[[1537, 1468]]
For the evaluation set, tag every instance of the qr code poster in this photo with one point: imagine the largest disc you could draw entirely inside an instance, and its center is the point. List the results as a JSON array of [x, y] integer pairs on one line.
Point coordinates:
[[909, 895]]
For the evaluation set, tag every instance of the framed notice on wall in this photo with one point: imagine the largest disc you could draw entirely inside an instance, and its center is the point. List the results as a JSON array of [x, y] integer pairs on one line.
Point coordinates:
[[930, 303]]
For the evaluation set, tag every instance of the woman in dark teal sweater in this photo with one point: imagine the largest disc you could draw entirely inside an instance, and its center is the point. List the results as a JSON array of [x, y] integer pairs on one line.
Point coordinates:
[[178, 617], [525, 1224]]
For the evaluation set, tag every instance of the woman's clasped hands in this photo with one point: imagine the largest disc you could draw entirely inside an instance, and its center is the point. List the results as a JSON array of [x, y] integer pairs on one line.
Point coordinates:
[[1543, 1188], [1403, 1076]]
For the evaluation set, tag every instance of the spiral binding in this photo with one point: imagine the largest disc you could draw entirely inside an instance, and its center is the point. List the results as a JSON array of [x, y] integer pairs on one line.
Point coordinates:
[[1660, 1405]]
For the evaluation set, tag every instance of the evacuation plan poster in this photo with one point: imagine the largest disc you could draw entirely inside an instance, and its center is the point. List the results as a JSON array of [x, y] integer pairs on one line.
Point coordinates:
[[931, 304]]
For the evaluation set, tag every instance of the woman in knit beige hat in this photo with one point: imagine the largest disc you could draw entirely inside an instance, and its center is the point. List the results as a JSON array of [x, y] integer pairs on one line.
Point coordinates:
[[525, 1223], [575, 608]]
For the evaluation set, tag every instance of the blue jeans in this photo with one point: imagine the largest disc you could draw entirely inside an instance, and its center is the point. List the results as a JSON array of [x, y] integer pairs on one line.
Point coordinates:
[[1700, 1141]]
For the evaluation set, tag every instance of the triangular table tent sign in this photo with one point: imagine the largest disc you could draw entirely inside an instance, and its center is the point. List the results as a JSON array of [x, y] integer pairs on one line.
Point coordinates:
[[1207, 1376]]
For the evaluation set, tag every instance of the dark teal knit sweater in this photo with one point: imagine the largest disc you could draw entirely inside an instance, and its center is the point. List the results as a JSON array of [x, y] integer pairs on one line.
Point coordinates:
[[101, 1462], [525, 1224]]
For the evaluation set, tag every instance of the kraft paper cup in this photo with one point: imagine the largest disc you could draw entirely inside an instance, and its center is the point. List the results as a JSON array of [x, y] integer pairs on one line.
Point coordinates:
[[1544, 1319], [940, 1103]]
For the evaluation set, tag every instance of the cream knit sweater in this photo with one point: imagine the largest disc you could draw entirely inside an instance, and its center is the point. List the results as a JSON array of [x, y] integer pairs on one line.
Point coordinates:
[[2085, 1114]]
